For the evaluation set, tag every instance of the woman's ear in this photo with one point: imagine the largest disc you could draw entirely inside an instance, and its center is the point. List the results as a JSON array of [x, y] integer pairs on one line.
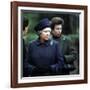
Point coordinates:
[[38, 32]]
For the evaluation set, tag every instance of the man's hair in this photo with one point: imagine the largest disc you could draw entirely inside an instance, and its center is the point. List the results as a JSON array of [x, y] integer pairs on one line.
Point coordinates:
[[56, 21], [25, 22]]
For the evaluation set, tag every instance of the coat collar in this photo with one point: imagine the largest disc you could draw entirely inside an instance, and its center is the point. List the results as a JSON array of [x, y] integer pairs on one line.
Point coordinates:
[[61, 38], [38, 42]]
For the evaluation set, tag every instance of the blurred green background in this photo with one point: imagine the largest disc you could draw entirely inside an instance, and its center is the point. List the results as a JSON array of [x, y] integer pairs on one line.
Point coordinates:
[[70, 28]]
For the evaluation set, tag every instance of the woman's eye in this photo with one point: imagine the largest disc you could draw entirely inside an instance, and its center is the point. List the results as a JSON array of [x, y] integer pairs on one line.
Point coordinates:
[[45, 31]]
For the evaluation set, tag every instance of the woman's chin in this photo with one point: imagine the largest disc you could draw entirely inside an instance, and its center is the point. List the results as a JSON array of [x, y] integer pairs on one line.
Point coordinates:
[[46, 39]]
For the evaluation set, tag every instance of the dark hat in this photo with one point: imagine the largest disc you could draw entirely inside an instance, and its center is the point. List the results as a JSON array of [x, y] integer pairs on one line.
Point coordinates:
[[42, 24]]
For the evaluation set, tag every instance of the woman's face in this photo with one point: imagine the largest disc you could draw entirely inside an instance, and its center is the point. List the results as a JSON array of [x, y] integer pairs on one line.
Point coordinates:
[[45, 34], [57, 30]]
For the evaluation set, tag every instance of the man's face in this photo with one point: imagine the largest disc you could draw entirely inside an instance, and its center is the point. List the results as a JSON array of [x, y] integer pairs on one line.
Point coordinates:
[[45, 33], [26, 30], [57, 30]]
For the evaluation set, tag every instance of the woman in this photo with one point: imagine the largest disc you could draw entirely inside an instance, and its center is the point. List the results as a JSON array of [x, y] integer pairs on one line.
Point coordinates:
[[44, 56]]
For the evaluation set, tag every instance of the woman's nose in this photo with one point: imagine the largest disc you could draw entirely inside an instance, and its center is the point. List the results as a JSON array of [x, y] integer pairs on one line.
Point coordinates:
[[48, 33]]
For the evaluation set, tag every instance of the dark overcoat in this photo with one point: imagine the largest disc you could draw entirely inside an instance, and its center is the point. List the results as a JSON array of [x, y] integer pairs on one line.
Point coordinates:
[[44, 55], [69, 52]]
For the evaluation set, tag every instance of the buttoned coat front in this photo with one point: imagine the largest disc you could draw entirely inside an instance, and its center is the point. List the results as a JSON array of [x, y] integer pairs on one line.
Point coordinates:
[[44, 55]]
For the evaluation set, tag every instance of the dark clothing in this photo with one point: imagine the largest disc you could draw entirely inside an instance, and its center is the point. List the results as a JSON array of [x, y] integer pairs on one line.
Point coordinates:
[[24, 54], [44, 58], [24, 50], [25, 63], [69, 53]]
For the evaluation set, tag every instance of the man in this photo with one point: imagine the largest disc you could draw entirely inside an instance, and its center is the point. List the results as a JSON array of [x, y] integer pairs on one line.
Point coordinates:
[[25, 30], [44, 55], [66, 46]]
